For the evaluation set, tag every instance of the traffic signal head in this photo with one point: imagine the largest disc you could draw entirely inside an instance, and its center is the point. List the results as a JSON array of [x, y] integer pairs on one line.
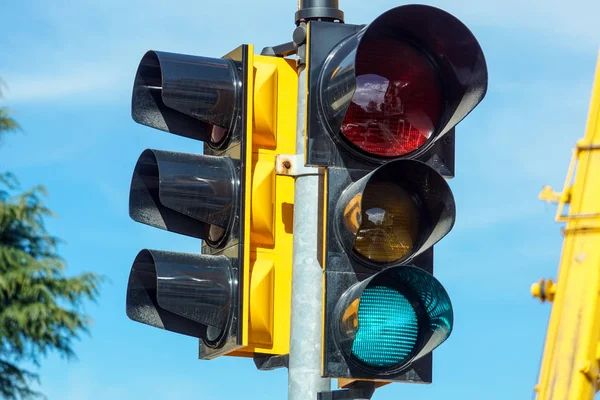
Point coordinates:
[[383, 103], [194, 195], [190, 294], [394, 213], [384, 310], [196, 97], [235, 296], [391, 319], [202, 196], [393, 88]]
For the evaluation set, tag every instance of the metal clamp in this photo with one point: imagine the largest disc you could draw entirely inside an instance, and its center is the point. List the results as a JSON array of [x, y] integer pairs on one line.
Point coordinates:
[[280, 50], [293, 165], [269, 362], [362, 390]]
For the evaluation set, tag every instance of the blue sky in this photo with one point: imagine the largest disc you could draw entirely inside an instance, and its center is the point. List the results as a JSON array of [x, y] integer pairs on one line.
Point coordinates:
[[69, 66]]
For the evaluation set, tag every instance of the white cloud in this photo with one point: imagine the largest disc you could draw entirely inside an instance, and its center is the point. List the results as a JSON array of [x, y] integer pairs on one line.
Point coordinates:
[[93, 47], [93, 81], [94, 44], [487, 214], [538, 130], [519, 139], [575, 21], [85, 384], [571, 24]]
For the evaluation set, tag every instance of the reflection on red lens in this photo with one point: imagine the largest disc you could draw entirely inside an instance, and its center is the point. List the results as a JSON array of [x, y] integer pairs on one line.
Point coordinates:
[[397, 102]]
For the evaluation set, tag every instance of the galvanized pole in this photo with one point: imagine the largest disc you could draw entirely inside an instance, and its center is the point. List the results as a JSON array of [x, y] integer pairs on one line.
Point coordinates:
[[304, 373]]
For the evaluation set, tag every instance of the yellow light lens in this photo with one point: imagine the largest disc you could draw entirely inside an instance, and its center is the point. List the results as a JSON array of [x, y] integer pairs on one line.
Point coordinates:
[[388, 225]]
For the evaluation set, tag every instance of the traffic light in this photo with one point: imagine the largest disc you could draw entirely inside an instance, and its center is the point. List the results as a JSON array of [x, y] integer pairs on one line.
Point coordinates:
[[383, 101], [235, 296]]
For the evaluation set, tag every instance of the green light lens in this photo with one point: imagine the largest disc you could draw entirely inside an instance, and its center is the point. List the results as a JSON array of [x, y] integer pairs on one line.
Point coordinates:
[[387, 327]]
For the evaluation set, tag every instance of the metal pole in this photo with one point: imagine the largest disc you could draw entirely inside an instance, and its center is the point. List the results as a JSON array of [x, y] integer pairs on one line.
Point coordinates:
[[304, 373], [324, 10]]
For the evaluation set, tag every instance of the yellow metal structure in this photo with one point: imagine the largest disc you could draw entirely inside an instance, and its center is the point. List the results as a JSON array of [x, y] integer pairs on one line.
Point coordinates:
[[570, 365], [267, 281]]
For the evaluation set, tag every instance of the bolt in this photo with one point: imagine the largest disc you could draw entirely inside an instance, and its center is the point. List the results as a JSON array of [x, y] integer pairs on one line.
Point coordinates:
[[287, 164], [585, 368], [299, 35]]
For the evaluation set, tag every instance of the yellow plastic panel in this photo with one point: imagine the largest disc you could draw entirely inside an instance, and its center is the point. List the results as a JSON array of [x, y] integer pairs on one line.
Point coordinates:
[[263, 202], [265, 104], [281, 256], [269, 205], [262, 283]]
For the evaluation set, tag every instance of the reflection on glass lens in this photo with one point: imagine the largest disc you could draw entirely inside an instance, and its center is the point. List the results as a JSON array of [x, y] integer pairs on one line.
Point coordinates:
[[389, 223], [352, 214], [215, 233], [217, 135], [397, 102], [350, 319], [213, 333]]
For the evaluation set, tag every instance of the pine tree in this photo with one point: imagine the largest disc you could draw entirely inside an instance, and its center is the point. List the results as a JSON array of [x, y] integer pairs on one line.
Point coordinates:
[[40, 307]]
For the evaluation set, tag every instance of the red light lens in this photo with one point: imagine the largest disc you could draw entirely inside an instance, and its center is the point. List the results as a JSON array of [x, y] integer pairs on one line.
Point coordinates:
[[397, 102]]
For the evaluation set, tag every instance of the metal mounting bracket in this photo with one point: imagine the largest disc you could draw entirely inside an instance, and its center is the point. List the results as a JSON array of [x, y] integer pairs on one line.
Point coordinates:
[[280, 50], [269, 362], [293, 165], [358, 391]]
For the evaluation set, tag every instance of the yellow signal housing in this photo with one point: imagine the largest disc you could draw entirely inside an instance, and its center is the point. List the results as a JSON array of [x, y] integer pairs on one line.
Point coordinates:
[[269, 204]]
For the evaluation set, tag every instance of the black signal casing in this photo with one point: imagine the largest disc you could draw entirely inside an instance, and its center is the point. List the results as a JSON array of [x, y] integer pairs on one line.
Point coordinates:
[[324, 149], [341, 272], [234, 249], [332, 52], [321, 147], [190, 194]]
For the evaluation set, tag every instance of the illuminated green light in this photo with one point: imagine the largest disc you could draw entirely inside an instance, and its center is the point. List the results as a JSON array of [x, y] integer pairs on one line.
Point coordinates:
[[387, 328]]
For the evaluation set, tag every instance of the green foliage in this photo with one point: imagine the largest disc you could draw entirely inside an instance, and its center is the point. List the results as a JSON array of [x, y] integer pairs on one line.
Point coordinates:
[[7, 123], [40, 307]]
